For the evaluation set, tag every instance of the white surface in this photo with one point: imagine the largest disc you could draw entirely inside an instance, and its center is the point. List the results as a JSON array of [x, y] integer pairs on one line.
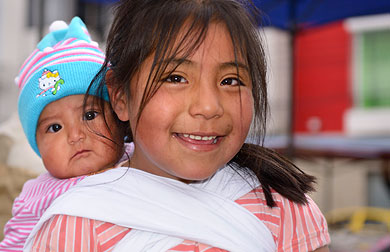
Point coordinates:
[[367, 122], [21, 154], [368, 23]]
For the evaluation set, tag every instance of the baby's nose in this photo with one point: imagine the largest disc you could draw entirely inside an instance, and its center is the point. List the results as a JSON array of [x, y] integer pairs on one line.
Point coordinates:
[[76, 134]]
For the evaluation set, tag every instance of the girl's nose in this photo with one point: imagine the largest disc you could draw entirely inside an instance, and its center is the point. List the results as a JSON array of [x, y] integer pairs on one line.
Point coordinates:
[[206, 101], [76, 133]]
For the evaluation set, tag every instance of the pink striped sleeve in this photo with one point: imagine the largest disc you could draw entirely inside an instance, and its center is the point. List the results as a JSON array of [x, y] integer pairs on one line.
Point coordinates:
[[28, 207], [70, 233], [295, 227], [302, 227]]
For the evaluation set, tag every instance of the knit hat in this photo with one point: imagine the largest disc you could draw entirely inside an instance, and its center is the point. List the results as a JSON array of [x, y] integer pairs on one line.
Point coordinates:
[[64, 63]]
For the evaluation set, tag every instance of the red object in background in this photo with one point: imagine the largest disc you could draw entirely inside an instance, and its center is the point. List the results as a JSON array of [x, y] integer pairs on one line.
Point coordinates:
[[322, 79]]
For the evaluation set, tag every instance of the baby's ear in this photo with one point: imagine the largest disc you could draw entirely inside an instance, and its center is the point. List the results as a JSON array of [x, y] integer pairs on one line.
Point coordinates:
[[118, 98]]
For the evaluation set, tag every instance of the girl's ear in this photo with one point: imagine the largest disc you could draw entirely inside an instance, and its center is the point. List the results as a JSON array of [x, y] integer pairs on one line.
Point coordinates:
[[117, 98]]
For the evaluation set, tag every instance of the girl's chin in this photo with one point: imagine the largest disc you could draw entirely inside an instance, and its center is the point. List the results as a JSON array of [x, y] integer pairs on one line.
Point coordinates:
[[193, 176]]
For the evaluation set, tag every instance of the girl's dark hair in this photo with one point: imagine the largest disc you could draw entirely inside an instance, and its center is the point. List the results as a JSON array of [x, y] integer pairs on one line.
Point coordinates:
[[143, 27]]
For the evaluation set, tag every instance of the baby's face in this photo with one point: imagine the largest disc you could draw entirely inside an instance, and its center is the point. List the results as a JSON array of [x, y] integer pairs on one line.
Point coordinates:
[[68, 139]]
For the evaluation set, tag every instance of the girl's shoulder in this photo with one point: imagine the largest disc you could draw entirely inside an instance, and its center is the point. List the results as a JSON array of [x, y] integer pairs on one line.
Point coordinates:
[[294, 226], [78, 232], [292, 230], [255, 202]]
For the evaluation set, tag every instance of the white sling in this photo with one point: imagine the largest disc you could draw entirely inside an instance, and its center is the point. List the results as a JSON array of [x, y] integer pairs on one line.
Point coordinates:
[[162, 212]]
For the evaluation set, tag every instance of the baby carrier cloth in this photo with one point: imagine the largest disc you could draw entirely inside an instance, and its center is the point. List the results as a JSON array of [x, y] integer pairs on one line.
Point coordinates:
[[164, 212]]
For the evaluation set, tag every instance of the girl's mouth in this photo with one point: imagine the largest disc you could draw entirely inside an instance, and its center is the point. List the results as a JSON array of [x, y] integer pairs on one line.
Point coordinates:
[[198, 139]]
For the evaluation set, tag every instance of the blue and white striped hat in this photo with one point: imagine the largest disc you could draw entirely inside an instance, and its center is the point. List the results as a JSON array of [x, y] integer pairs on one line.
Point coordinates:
[[64, 63]]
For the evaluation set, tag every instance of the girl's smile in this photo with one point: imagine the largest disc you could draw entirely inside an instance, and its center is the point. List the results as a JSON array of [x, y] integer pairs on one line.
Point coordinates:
[[199, 117], [199, 141]]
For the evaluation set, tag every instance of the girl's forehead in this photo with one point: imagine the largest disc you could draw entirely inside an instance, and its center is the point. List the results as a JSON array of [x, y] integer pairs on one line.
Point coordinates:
[[190, 42]]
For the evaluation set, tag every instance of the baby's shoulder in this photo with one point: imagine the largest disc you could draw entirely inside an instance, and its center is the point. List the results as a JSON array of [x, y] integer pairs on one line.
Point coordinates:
[[45, 186]]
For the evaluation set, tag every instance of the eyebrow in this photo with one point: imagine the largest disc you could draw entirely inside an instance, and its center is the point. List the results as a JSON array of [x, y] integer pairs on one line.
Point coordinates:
[[224, 65], [178, 61], [235, 64], [48, 118], [88, 103]]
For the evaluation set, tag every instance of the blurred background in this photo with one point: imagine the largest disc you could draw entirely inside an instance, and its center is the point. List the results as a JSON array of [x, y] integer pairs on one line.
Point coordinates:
[[329, 91]]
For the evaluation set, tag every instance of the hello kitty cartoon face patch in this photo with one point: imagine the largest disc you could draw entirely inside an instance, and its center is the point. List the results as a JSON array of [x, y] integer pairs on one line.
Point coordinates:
[[50, 82]]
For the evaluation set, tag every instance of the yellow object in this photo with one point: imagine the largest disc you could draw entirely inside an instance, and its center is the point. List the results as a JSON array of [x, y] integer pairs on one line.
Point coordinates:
[[357, 217]]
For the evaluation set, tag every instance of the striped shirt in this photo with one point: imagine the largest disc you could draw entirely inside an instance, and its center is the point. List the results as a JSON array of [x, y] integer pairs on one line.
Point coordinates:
[[36, 196], [294, 227]]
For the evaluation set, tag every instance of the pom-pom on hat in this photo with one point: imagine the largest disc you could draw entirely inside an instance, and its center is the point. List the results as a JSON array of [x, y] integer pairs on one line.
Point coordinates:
[[64, 63]]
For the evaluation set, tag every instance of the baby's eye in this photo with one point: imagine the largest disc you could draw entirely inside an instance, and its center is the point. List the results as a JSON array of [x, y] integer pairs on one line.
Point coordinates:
[[175, 79], [90, 115], [54, 128], [232, 82]]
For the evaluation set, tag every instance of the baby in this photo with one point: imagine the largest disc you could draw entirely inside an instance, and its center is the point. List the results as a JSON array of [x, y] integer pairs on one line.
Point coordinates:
[[69, 134]]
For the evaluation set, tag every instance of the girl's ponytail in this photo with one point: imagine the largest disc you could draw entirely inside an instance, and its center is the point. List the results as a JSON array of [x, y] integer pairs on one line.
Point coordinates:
[[276, 172]]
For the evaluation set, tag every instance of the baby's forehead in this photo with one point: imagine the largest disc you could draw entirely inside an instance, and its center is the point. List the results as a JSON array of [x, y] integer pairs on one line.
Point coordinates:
[[74, 103]]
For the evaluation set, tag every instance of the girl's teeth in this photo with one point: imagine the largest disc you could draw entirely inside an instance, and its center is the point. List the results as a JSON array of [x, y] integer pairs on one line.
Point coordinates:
[[204, 138]]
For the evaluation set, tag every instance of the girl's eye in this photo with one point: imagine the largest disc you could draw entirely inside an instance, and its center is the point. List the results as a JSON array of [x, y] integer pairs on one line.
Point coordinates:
[[232, 82], [175, 79], [54, 128], [90, 115]]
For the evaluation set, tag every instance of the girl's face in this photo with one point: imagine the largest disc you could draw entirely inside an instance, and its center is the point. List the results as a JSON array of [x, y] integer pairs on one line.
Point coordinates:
[[199, 118]]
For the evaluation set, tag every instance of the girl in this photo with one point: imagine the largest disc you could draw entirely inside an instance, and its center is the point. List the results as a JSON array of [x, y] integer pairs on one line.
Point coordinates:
[[189, 77]]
